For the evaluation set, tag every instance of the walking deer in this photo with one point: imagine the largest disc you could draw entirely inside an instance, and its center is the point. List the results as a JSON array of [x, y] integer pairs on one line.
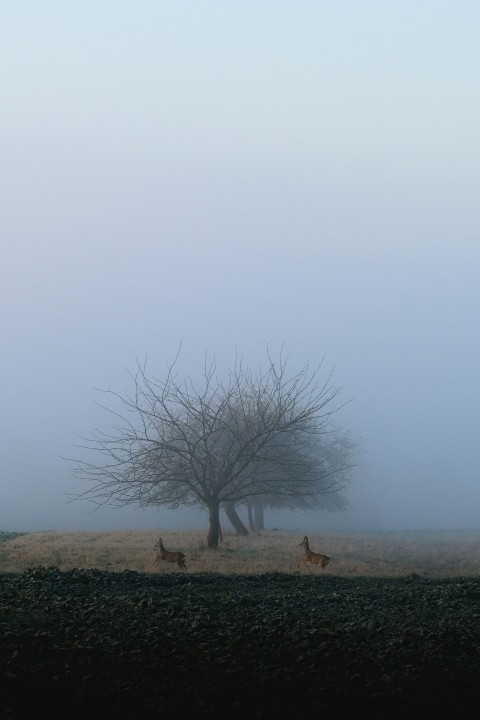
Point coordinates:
[[168, 556], [311, 557]]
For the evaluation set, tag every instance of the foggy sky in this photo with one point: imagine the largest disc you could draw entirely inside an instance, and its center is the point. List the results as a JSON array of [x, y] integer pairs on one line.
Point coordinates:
[[232, 176]]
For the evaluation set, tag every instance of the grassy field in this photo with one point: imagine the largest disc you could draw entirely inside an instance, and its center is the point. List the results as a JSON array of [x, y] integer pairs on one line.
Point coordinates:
[[391, 628], [433, 554]]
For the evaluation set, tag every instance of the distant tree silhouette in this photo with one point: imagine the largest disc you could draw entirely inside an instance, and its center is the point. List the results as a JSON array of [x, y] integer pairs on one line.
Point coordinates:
[[252, 436], [336, 452]]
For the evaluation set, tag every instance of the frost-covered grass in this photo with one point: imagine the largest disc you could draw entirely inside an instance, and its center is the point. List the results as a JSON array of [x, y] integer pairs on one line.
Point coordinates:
[[436, 554]]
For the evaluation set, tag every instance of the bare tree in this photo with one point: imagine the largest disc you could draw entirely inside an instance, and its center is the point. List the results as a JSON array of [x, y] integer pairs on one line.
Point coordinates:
[[174, 444], [235, 520], [335, 453]]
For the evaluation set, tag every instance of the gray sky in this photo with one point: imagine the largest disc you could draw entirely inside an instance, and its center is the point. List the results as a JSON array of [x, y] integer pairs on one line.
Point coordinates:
[[230, 175]]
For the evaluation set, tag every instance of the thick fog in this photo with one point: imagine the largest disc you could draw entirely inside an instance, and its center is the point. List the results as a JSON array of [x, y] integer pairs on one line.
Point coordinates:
[[232, 176]]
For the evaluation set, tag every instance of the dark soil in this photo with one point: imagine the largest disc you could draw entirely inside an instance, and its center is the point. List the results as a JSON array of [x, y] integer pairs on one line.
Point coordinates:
[[130, 645]]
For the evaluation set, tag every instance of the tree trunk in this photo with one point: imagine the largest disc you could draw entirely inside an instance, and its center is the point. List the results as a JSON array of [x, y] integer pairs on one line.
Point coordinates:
[[258, 516], [251, 521], [256, 521], [231, 514], [214, 525]]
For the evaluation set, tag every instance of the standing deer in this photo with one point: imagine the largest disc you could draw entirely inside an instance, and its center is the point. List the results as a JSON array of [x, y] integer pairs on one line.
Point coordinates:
[[168, 556], [312, 557]]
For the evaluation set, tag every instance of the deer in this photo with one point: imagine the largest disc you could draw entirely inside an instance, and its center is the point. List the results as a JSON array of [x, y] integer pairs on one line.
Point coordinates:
[[168, 556], [311, 557]]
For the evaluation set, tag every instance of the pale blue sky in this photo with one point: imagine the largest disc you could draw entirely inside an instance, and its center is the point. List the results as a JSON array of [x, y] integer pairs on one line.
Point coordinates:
[[232, 174]]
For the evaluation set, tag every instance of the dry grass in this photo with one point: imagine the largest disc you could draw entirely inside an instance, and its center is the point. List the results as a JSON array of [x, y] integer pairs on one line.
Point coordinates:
[[439, 554]]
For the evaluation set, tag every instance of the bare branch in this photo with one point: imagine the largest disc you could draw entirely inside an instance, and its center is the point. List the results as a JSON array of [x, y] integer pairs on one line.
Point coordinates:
[[263, 434]]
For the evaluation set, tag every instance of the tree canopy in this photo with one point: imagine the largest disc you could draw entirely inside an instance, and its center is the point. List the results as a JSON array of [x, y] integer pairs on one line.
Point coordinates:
[[252, 435]]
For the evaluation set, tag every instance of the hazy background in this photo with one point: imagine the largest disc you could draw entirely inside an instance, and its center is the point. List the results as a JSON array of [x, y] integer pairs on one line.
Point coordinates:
[[230, 175]]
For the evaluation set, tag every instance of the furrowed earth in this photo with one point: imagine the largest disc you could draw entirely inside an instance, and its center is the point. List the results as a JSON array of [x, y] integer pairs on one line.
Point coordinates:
[[139, 645]]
